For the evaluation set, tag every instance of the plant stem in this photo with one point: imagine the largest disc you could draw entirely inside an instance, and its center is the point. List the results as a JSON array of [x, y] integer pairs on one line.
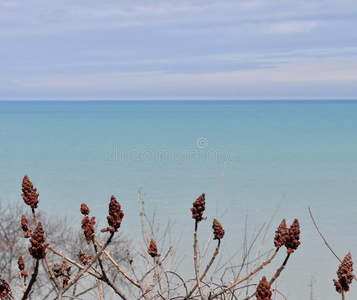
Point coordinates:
[[206, 270], [278, 271], [48, 265], [195, 259], [119, 268], [72, 262], [94, 259], [245, 277], [322, 236], [104, 274], [32, 281]]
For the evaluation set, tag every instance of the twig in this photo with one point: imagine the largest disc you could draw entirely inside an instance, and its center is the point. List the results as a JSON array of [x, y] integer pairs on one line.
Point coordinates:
[[22, 282], [244, 287], [245, 277], [206, 247], [220, 188], [272, 218], [281, 294], [49, 293], [105, 277], [250, 296], [155, 266], [32, 281], [152, 285], [322, 236], [99, 290], [183, 282], [142, 215], [206, 270], [195, 259], [94, 259], [212, 260], [10, 296], [278, 271], [85, 291], [134, 282], [73, 262], [326, 243]]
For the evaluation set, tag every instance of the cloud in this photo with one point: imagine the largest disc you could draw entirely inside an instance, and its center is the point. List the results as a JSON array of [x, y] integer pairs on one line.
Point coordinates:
[[289, 27], [59, 16], [68, 47]]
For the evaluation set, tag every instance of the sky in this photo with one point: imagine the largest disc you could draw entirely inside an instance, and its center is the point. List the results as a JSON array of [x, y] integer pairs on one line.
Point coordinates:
[[124, 50]]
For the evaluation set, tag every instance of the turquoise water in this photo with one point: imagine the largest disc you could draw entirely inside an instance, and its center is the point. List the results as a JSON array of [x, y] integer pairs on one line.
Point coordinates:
[[303, 152]]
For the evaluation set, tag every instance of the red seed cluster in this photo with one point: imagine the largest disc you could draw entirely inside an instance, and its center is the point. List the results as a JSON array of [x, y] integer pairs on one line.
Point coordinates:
[[281, 234], [218, 230], [37, 240], [292, 242], [115, 217], [62, 270], [88, 228], [25, 226], [84, 209], [153, 249], [198, 208], [83, 257], [263, 290], [5, 289], [344, 274], [29, 192], [21, 265]]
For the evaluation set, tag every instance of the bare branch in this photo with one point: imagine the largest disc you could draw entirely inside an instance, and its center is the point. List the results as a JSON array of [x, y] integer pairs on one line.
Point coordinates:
[[322, 236]]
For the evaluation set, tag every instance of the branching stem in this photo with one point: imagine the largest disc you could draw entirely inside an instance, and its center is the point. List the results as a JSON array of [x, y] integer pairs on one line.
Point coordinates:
[[206, 270], [32, 281], [94, 259], [245, 277]]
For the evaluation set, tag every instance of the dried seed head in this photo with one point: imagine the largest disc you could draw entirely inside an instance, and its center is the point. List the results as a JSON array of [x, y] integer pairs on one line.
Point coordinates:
[[84, 209], [153, 249], [281, 234], [25, 226], [292, 242], [29, 192], [263, 290], [83, 257], [344, 274], [198, 208], [62, 270], [88, 228], [218, 230], [57, 269], [115, 217], [66, 273], [21, 263], [5, 289], [37, 240]]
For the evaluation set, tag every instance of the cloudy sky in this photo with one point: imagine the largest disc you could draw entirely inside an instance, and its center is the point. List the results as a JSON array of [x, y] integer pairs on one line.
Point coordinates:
[[241, 49]]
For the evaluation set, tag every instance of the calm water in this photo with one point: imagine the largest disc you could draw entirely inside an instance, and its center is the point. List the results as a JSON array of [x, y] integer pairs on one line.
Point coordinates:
[[304, 152]]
